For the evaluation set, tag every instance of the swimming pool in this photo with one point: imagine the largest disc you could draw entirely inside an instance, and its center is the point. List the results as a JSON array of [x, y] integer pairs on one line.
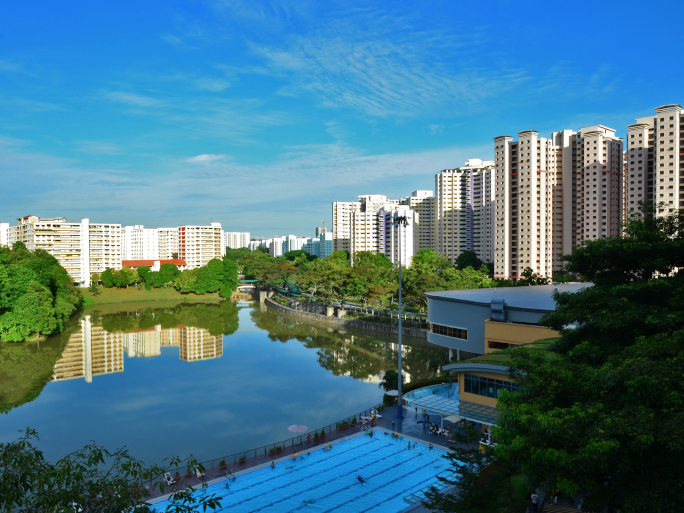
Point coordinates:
[[326, 481]]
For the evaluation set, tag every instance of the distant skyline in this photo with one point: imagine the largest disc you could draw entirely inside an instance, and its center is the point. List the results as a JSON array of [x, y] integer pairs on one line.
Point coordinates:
[[259, 115]]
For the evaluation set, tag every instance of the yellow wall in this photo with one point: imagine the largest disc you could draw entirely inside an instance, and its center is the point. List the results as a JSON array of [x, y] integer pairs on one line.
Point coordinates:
[[474, 398], [512, 333]]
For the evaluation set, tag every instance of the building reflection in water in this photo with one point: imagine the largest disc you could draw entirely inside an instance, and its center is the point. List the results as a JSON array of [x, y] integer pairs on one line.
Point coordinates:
[[92, 351]]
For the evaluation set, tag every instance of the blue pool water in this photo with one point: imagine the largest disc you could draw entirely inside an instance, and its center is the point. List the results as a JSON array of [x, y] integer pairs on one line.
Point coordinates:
[[327, 480]]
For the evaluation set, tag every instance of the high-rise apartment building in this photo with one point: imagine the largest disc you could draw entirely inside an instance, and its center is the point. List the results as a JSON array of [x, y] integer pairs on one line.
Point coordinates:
[[4, 234], [398, 242], [167, 243], [341, 213], [237, 240], [81, 248], [139, 243], [552, 194], [464, 210], [655, 159], [197, 245], [424, 203], [198, 344]]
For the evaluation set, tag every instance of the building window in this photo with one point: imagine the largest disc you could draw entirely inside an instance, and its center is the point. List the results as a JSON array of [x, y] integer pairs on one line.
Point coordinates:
[[487, 387], [449, 331]]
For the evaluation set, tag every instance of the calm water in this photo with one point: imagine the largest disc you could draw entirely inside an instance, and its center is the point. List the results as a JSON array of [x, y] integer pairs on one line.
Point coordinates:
[[209, 380]]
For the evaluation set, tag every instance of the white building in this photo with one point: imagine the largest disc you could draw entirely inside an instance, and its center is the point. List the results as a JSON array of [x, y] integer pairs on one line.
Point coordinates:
[[275, 246], [341, 230], [654, 159], [465, 210], [168, 243], [424, 203], [398, 243], [237, 240], [4, 234], [197, 245], [325, 244], [139, 243], [553, 194], [81, 248], [293, 243]]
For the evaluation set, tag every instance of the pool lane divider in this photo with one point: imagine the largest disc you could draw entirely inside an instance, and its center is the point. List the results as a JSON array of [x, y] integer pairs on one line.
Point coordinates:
[[316, 486], [222, 479], [272, 477], [340, 477]]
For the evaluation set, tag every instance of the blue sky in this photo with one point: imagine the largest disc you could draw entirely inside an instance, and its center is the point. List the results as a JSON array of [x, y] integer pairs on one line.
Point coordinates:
[[260, 114]]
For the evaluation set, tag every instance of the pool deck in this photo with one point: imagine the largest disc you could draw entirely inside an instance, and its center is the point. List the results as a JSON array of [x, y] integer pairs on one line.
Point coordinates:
[[408, 427]]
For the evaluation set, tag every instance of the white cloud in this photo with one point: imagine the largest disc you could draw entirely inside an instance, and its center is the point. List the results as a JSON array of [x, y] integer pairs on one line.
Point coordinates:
[[205, 159], [130, 99], [98, 148]]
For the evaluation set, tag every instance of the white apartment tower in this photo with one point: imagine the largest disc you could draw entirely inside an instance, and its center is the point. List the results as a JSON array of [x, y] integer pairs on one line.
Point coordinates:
[[655, 159], [80, 248], [167, 243], [423, 202], [140, 243], [237, 240], [4, 234], [464, 210], [197, 245], [398, 243], [553, 194], [341, 213]]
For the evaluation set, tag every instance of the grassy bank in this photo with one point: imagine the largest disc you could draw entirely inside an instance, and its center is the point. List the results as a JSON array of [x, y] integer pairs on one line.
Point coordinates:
[[133, 295]]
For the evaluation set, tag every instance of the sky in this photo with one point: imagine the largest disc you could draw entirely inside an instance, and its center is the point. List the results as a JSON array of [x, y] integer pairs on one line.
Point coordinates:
[[259, 115]]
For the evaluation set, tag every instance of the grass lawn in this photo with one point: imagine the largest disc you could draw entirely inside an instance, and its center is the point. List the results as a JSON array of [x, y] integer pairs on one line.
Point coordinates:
[[132, 294]]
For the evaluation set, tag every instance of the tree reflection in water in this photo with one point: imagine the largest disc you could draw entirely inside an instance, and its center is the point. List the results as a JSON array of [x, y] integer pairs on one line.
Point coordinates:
[[351, 352]]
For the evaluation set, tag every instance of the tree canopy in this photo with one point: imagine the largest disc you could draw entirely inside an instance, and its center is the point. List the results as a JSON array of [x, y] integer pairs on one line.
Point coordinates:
[[601, 413], [37, 296]]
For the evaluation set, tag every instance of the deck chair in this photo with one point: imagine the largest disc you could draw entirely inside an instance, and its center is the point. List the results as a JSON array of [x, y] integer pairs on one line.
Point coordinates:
[[199, 473], [168, 480]]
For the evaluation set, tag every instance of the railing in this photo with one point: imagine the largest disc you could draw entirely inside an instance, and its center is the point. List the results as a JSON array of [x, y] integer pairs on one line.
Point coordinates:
[[351, 307], [295, 441]]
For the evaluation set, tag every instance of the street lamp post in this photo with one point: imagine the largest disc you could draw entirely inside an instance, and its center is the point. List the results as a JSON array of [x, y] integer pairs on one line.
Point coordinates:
[[397, 222]]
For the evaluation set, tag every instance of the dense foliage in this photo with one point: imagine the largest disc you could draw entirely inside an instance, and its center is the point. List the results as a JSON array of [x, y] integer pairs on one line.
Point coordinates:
[[91, 479], [217, 276], [602, 414], [37, 296], [370, 280]]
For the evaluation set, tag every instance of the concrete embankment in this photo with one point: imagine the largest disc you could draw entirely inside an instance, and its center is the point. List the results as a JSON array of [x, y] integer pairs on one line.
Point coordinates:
[[316, 312]]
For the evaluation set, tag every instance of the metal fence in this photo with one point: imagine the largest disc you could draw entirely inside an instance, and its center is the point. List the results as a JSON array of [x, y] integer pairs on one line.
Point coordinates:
[[296, 441], [363, 310]]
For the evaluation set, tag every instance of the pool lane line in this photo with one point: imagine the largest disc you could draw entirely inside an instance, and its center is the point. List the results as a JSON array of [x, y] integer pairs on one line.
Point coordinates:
[[375, 490], [292, 482], [404, 492], [301, 468], [366, 482], [322, 484]]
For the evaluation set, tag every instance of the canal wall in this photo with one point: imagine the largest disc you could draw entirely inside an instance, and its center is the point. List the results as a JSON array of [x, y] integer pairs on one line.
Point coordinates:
[[318, 313]]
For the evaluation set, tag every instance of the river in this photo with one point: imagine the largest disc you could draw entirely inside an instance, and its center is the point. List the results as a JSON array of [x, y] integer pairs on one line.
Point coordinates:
[[202, 379]]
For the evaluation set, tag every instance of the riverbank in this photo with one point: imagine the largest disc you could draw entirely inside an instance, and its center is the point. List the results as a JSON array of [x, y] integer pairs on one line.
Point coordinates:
[[365, 325], [132, 294]]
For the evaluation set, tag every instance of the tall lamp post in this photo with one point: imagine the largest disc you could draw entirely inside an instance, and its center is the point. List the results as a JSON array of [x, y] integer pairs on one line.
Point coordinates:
[[397, 222]]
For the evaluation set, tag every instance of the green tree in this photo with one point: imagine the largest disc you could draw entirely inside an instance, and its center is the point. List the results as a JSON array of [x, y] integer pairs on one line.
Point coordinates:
[[90, 479], [142, 272], [209, 277], [107, 278], [468, 259], [230, 277], [390, 380], [169, 272], [601, 413], [185, 282]]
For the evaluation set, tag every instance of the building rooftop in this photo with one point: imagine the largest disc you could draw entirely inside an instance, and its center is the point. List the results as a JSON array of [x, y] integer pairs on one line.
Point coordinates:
[[534, 297]]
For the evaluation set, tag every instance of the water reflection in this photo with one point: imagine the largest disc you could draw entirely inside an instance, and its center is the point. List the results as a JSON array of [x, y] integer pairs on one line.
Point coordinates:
[[360, 354], [94, 351]]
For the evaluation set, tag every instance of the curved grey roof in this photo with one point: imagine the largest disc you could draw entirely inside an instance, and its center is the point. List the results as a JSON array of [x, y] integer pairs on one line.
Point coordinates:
[[534, 297]]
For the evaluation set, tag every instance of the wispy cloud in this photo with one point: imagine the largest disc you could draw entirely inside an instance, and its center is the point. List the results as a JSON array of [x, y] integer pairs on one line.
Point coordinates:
[[305, 180], [98, 148], [176, 42], [205, 159], [130, 99], [28, 104], [12, 67]]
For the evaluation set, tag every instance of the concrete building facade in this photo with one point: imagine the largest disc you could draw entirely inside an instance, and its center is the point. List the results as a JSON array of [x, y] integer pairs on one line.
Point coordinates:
[[4, 234], [464, 210], [655, 160], [197, 245], [423, 203], [139, 243], [168, 243], [237, 240], [341, 230]]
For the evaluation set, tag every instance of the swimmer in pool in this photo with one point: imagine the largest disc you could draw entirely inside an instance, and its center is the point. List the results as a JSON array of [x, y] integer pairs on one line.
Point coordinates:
[[360, 480], [272, 464]]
